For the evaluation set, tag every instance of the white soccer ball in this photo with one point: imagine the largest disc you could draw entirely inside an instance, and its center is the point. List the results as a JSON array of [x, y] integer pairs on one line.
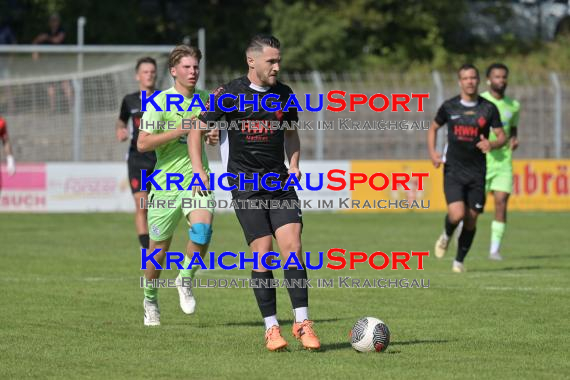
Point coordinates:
[[370, 334]]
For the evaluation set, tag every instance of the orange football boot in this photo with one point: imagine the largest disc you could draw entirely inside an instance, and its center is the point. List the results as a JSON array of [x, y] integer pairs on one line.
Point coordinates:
[[306, 335], [273, 339]]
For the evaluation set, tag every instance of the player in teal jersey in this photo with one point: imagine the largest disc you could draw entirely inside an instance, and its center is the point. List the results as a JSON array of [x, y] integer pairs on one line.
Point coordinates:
[[499, 180], [172, 157]]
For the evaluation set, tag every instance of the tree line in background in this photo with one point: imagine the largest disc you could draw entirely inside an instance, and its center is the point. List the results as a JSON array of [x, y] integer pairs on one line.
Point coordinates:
[[331, 35]]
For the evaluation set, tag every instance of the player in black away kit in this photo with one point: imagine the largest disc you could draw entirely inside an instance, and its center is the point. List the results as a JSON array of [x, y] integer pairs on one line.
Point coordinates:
[[254, 148], [129, 122], [469, 119]]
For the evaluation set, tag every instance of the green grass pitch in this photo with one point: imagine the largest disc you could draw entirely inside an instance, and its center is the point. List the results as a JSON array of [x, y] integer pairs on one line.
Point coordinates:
[[72, 306]]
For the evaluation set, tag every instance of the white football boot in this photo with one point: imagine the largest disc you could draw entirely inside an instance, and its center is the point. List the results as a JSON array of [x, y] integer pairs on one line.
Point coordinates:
[[458, 267], [441, 246], [495, 256], [187, 300], [151, 313]]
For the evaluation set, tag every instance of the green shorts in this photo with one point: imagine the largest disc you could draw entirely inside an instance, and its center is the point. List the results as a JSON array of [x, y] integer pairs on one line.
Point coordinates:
[[499, 179], [168, 208]]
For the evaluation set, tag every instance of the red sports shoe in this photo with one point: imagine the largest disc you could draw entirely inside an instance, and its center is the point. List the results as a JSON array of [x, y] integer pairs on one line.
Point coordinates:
[[273, 339], [306, 335]]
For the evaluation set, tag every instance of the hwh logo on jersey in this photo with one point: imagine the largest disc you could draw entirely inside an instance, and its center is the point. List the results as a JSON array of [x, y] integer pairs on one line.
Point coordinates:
[[465, 132], [256, 127]]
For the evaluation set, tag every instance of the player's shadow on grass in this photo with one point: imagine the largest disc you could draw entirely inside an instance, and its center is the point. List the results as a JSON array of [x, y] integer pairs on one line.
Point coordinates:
[[256, 323], [418, 341], [347, 345], [335, 346], [506, 269], [539, 257]]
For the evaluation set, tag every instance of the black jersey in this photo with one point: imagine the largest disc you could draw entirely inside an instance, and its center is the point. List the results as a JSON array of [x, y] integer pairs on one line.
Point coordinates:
[[465, 124], [131, 109], [250, 144]]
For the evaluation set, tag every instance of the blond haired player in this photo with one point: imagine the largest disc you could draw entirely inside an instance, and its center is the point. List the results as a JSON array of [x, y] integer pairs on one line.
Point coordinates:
[[171, 150]]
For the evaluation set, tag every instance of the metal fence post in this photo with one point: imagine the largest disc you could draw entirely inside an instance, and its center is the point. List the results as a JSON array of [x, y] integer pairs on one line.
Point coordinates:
[[202, 46], [438, 83], [557, 114], [78, 91], [76, 118], [319, 137]]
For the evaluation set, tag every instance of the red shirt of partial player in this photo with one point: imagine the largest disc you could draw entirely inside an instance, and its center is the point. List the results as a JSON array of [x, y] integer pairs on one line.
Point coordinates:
[[3, 129]]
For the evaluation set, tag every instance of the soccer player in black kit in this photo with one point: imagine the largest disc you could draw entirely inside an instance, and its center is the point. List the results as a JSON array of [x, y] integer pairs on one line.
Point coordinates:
[[469, 119], [136, 161], [254, 148]]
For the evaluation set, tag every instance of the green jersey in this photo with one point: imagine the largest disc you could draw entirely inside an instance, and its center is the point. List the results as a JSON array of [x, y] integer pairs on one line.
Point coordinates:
[[509, 110], [172, 157]]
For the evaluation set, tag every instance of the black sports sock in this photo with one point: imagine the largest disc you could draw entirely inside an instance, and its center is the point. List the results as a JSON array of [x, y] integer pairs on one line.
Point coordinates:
[[464, 243], [299, 293], [265, 294], [449, 227], [144, 240]]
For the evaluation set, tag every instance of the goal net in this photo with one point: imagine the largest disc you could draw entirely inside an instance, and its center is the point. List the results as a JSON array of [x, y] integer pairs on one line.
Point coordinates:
[[57, 113]]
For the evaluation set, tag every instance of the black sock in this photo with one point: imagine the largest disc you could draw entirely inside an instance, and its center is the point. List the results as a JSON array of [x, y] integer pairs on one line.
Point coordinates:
[[464, 243], [449, 228], [144, 240], [265, 295], [299, 293]]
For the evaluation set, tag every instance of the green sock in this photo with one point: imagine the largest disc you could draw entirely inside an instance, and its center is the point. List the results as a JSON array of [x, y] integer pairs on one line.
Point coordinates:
[[188, 272], [150, 293], [497, 232]]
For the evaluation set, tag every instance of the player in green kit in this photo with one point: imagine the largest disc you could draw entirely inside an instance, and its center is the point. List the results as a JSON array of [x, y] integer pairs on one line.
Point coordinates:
[[499, 179], [171, 150]]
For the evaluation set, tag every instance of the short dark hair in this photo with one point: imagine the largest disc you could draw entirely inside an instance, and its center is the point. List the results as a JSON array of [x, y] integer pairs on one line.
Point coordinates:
[[142, 60], [467, 66], [257, 42], [497, 65]]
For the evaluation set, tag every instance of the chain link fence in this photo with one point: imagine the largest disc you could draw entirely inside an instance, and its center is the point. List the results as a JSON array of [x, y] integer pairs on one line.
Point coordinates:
[[44, 124]]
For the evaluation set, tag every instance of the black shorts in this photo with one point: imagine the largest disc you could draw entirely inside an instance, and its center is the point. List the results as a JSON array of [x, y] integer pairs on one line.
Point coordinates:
[[136, 163], [469, 188], [260, 217]]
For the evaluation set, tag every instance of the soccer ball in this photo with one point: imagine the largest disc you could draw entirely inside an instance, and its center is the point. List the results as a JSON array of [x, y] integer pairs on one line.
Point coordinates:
[[370, 334]]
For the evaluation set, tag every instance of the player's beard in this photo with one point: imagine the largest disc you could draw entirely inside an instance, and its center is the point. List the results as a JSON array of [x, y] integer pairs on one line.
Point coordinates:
[[267, 79], [272, 80], [499, 89]]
